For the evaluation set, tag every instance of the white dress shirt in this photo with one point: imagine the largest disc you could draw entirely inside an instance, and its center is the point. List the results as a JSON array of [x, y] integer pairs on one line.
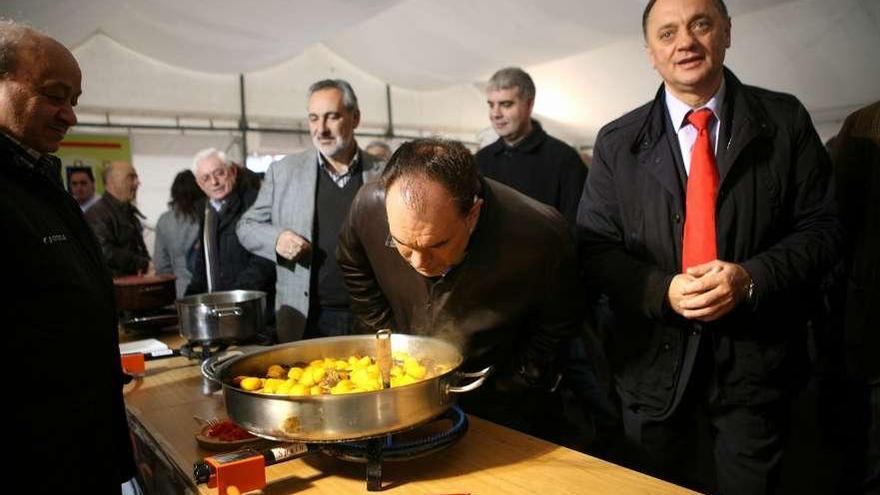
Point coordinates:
[[687, 133]]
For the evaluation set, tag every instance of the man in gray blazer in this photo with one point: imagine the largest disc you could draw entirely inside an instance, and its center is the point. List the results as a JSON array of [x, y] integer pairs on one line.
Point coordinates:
[[297, 216]]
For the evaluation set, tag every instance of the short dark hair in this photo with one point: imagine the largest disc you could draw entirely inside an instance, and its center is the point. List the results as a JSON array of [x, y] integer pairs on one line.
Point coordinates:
[[80, 170], [718, 3], [448, 163]]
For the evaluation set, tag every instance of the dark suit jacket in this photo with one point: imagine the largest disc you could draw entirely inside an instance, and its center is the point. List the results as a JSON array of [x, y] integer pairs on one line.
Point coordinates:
[[239, 268]]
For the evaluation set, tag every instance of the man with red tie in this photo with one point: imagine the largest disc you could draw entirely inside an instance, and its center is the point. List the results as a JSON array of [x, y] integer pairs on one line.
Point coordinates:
[[705, 222]]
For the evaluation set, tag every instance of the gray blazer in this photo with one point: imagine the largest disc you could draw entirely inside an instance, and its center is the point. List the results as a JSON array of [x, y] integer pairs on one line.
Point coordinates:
[[287, 202]]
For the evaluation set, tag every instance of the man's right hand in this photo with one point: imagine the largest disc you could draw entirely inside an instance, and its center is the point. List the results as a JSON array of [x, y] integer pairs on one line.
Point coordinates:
[[292, 246]]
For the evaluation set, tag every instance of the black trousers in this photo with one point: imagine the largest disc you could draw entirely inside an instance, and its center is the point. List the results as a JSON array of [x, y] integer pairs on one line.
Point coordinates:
[[709, 446]]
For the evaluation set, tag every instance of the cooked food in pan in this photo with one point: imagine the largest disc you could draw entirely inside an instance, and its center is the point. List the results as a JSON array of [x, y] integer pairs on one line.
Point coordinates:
[[339, 376]]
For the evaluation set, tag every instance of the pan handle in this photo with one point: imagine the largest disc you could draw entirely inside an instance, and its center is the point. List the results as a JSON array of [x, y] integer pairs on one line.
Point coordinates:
[[480, 378], [226, 312]]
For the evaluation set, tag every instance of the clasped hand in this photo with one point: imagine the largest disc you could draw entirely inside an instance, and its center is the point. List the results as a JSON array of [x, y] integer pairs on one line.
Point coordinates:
[[709, 291]]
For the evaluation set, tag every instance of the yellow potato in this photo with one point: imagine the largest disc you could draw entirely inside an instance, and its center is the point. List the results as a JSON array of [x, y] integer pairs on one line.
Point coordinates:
[[271, 385], [359, 376], [417, 372], [344, 386], [316, 390], [340, 365], [307, 379], [251, 383], [372, 384], [298, 390], [318, 374], [296, 372]]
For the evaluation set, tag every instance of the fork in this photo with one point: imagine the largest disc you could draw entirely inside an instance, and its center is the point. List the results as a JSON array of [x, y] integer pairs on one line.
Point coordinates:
[[206, 422]]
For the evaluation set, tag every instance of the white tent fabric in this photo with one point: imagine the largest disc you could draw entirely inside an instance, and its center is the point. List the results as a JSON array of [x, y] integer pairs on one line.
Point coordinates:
[[171, 58], [168, 62]]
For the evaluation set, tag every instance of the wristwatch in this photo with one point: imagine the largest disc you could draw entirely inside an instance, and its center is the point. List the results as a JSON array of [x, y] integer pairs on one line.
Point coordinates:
[[750, 291]]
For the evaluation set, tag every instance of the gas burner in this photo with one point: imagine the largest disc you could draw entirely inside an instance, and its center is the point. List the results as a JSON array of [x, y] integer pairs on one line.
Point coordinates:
[[202, 350], [245, 469], [412, 444]]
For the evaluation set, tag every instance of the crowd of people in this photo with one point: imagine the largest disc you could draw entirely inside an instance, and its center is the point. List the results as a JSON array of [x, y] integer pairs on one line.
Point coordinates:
[[663, 310]]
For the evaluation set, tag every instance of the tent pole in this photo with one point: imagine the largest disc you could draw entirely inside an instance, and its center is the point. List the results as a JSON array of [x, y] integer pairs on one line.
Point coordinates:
[[243, 123], [389, 133]]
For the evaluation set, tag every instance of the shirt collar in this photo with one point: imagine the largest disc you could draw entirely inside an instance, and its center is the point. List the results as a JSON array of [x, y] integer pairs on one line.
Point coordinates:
[[30, 152], [353, 166], [527, 144], [678, 110]]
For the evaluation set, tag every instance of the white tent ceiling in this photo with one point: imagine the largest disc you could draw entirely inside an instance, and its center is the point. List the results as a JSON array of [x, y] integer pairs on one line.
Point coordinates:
[[167, 58]]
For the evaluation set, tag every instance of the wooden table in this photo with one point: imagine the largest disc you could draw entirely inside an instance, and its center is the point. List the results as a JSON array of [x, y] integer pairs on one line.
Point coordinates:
[[490, 459]]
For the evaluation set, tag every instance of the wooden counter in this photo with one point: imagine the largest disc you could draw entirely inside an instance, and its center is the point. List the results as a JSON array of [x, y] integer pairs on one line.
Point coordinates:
[[490, 459]]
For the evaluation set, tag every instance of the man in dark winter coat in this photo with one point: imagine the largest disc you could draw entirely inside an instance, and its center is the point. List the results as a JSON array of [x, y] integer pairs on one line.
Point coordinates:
[[525, 157], [69, 419], [707, 219], [232, 266]]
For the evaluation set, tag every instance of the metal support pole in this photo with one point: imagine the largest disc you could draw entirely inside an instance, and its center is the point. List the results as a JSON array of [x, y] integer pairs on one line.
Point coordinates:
[[243, 123], [389, 132]]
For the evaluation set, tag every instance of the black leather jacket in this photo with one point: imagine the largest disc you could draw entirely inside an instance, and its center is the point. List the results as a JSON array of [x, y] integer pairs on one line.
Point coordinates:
[[511, 303], [120, 234]]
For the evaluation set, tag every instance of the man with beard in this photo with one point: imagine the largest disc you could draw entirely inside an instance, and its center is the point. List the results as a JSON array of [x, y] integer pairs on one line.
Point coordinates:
[[296, 218]]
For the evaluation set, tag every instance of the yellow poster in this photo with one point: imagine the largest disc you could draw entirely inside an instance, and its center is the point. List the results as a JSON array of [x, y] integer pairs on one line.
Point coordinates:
[[94, 152]]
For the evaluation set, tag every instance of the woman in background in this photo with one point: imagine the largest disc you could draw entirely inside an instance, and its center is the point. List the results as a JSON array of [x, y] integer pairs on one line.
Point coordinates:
[[177, 230]]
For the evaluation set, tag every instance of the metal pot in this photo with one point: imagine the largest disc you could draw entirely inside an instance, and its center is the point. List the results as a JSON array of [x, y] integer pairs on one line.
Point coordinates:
[[230, 316], [144, 292], [330, 418]]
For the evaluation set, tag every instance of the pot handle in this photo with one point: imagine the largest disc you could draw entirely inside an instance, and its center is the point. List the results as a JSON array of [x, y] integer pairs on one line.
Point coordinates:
[[213, 365], [480, 378], [226, 312], [208, 369]]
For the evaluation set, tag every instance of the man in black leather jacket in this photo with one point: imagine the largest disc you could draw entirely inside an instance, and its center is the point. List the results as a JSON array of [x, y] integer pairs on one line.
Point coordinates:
[[432, 249], [116, 222]]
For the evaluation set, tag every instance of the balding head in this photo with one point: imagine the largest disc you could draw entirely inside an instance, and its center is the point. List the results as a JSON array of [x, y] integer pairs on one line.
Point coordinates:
[[431, 203], [121, 181], [40, 83]]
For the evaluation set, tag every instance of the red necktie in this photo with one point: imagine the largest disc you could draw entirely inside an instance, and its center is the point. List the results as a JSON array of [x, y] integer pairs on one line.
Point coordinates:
[[702, 189]]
